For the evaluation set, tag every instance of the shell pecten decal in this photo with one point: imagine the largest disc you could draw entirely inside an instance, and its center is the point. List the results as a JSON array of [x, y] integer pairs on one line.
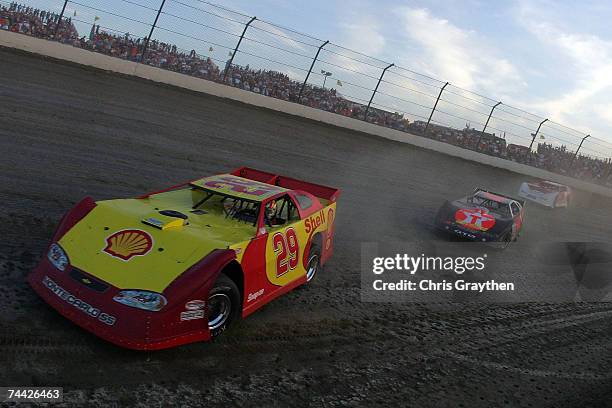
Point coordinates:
[[475, 218], [126, 244]]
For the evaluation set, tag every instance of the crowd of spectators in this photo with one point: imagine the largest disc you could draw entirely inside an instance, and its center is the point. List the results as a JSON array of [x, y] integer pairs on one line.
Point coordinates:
[[38, 23], [560, 160], [48, 25], [279, 85], [557, 159]]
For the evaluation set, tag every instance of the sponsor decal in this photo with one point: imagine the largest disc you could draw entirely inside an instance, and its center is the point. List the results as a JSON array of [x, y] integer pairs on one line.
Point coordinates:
[[240, 185], [330, 229], [78, 303], [126, 244], [475, 218], [195, 304], [314, 221], [255, 295], [192, 315], [464, 234]]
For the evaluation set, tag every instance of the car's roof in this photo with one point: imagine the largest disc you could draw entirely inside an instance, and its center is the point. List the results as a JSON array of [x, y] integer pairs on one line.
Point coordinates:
[[494, 197], [239, 187], [552, 183]]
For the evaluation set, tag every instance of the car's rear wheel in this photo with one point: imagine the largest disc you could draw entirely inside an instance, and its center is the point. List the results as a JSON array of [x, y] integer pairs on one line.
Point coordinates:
[[223, 305], [314, 262]]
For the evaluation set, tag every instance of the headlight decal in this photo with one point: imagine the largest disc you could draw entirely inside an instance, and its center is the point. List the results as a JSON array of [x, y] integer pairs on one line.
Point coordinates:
[[141, 299], [57, 257]]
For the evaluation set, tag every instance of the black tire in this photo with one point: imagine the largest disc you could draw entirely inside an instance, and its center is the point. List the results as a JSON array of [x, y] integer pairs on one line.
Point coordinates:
[[505, 241], [313, 266], [223, 306]]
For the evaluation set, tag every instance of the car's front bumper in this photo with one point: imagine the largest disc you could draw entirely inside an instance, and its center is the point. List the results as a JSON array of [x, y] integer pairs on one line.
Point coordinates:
[[99, 314]]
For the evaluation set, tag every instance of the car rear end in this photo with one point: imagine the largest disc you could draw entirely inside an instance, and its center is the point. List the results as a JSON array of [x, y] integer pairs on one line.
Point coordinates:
[[485, 227], [546, 193]]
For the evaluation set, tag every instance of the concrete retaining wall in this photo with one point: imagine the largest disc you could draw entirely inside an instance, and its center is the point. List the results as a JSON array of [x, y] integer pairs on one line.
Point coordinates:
[[85, 57]]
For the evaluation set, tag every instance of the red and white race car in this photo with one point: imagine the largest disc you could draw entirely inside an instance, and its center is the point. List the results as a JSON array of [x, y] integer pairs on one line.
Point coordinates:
[[547, 193]]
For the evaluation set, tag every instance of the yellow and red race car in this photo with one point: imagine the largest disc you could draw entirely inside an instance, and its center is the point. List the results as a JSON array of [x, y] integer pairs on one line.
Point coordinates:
[[179, 265]]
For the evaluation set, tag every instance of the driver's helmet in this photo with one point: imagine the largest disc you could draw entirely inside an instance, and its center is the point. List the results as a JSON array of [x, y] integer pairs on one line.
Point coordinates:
[[271, 210], [227, 205]]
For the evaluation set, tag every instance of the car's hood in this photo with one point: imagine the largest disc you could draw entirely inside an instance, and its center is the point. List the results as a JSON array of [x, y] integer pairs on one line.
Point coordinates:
[[113, 244]]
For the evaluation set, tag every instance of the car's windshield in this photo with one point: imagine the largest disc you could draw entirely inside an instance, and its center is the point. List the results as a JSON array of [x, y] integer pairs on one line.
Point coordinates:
[[231, 207], [494, 206]]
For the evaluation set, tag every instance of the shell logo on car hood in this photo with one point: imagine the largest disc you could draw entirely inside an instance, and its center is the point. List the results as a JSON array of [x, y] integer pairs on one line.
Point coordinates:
[[475, 218], [128, 243]]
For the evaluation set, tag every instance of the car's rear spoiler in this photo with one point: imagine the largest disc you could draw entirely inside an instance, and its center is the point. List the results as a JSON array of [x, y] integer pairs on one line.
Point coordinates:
[[499, 194], [326, 193]]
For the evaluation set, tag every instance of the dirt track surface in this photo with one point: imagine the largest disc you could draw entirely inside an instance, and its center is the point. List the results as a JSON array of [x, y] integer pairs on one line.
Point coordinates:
[[67, 132]]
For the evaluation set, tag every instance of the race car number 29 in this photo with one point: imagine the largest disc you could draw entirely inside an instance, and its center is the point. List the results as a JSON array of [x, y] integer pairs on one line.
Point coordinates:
[[286, 248]]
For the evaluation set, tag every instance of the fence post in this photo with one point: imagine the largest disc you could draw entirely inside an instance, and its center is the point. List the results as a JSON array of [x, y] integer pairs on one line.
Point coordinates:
[[146, 44], [486, 124], [434, 107], [310, 70], [577, 150], [365, 116], [609, 168], [229, 63], [536, 133], [59, 21]]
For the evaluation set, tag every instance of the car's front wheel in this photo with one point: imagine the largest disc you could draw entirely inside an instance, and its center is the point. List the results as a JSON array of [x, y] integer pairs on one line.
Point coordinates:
[[223, 305]]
